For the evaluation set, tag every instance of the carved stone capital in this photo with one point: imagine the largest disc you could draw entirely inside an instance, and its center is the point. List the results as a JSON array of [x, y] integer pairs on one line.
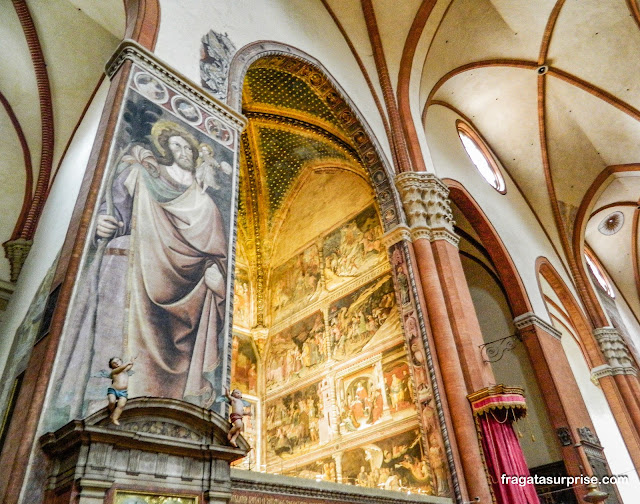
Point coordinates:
[[446, 235], [425, 199], [17, 251], [395, 235], [93, 491], [615, 350], [530, 319]]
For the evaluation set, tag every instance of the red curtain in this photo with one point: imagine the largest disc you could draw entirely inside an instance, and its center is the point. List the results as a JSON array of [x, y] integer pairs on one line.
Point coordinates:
[[503, 455]]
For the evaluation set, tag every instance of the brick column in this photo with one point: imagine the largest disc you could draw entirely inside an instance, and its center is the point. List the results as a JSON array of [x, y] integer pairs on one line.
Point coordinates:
[[566, 410], [581, 450], [451, 315]]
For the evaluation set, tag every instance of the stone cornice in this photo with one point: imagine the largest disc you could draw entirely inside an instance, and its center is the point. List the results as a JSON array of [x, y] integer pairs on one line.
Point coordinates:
[[276, 485], [529, 319], [130, 50], [395, 235]]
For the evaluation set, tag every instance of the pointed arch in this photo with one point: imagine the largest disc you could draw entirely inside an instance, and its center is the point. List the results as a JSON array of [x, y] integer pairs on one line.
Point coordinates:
[[369, 150], [507, 271], [577, 317]]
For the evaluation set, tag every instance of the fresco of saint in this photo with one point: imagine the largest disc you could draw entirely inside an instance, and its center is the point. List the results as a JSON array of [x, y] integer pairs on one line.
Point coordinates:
[[154, 287]]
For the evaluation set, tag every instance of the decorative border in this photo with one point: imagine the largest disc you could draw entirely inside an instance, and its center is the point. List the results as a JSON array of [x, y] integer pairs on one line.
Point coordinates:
[[309, 69], [400, 252], [130, 50]]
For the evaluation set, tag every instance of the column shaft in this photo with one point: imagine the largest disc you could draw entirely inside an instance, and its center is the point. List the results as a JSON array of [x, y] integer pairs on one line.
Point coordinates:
[[452, 373]]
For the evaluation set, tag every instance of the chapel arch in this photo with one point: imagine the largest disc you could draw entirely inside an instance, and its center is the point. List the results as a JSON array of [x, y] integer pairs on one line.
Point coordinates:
[[315, 201]]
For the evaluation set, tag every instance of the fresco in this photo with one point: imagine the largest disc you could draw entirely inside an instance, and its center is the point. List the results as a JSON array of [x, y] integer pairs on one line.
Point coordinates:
[[363, 318], [394, 463], [154, 280], [320, 470], [295, 283], [360, 401], [398, 386], [242, 299], [352, 248], [294, 422], [244, 365], [296, 351], [418, 361]]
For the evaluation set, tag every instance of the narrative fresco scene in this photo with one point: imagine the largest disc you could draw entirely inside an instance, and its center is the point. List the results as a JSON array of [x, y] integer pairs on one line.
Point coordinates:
[[343, 392], [155, 280]]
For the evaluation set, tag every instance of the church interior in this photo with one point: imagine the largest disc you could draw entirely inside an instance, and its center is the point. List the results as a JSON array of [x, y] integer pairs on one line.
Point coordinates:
[[395, 243]]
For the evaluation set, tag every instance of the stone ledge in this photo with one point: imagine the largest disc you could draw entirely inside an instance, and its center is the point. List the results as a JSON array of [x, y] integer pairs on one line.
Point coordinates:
[[276, 484], [531, 319]]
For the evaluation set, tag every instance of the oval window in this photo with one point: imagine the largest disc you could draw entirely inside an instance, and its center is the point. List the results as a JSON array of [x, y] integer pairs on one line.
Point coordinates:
[[481, 157], [598, 273]]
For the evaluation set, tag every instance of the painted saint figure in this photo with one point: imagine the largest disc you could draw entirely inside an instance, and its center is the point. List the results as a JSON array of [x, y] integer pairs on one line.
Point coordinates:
[[177, 265], [158, 288]]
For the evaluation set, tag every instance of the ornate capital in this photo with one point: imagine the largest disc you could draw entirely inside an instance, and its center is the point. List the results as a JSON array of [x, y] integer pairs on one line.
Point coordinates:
[[615, 350], [17, 251], [426, 204], [395, 235], [530, 319]]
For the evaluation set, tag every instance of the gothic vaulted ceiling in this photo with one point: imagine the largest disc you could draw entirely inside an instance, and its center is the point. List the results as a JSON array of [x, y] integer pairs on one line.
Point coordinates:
[[568, 137], [47, 80], [301, 171]]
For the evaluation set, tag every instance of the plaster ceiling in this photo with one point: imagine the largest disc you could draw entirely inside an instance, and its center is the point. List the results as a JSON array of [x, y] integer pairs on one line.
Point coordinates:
[[481, 65]]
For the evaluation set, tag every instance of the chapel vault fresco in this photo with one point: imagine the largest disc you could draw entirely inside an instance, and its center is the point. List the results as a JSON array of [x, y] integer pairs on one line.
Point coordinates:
[[296, 351], [345, 386], [244, 365]]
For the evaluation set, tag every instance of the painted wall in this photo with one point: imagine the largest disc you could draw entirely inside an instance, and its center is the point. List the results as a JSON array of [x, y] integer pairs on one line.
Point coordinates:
[[538, 440], [599, 411], [65, 32], [509, 214]]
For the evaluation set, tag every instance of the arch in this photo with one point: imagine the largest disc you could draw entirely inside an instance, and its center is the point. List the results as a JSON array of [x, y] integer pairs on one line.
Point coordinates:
[[595, 189], [545, 269], [516, 292], [142, 22], [366, 143]]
